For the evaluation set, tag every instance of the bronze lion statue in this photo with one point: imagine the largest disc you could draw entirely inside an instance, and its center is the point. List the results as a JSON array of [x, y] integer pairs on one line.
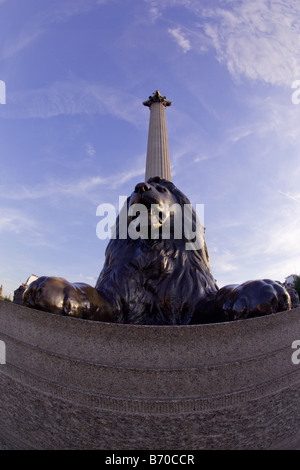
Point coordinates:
[[158, 276]]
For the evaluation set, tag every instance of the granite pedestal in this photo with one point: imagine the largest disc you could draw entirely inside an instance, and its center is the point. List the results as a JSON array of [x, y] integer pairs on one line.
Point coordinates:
[[76, 384]]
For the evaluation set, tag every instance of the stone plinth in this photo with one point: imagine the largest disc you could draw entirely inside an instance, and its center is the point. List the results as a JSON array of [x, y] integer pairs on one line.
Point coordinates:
[[76, 384]]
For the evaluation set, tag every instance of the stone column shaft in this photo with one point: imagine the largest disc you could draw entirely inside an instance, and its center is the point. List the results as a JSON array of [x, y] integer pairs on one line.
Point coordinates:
[[158, 158]]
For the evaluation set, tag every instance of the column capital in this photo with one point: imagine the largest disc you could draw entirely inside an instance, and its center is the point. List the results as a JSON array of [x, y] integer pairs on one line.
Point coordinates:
[[157, 98]]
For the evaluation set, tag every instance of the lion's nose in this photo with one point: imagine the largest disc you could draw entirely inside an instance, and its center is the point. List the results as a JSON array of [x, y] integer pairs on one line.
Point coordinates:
[[142, 187]]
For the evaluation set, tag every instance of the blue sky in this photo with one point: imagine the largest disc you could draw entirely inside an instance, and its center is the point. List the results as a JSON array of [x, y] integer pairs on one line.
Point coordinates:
[[73, 131]]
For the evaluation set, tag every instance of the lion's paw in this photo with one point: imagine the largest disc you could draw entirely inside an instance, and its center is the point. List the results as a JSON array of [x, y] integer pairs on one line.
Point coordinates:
[[253, 299], [56, 295], [53, 294]]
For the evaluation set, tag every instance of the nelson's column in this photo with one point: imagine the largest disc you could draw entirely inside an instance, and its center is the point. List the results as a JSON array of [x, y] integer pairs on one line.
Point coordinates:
[[158, 158]]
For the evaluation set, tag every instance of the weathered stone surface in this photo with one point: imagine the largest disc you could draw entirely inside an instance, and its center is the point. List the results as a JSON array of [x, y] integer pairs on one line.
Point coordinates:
[[77, 384]]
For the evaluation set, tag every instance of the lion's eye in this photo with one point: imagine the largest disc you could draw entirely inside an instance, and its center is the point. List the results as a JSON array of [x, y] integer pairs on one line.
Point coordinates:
[[161, 189]]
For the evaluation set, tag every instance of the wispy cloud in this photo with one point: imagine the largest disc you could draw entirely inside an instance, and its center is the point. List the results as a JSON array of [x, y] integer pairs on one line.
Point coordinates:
[[223, 261], [67, 8], [13, 220], [180, 39], [154, 10], [19, 223], [20, 42], [257, 39], [156, 7], [74, 97], [84, 188], [295, 197], [90, 150], [269, 248]]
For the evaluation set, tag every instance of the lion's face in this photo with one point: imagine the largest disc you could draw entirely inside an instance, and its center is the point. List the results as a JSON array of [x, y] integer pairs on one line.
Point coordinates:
[[158, 210], [152, 203]]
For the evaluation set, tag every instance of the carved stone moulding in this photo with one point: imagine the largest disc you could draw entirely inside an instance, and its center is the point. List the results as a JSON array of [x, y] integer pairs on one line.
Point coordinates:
[[77, 384]]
